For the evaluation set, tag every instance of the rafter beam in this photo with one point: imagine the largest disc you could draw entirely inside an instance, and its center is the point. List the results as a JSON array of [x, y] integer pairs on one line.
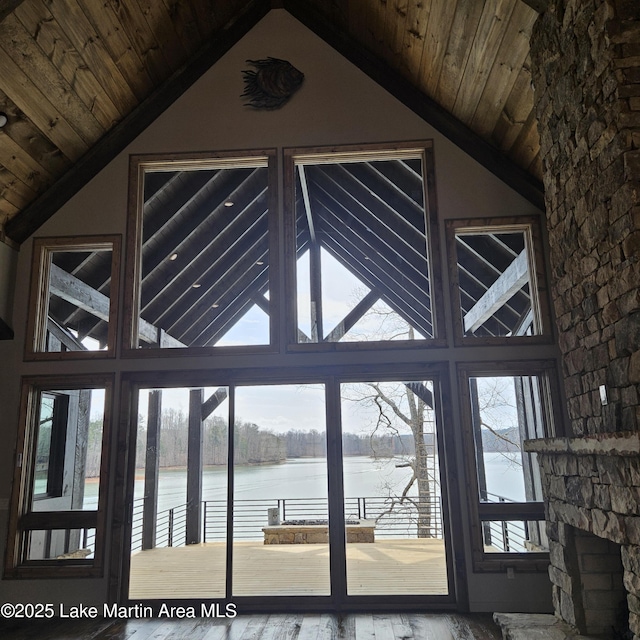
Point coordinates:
[[80, 294], [214, 401], [307, 201], [515, 276], [539, 6], [352, 318], [7, 7]]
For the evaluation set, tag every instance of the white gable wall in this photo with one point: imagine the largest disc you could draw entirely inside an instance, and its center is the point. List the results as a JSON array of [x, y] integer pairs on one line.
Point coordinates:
[[336, 105]]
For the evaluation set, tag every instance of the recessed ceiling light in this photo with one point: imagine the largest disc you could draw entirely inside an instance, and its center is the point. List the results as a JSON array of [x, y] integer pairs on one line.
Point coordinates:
[[215, 306], [196, 285], [3, 119], [260, 262], [228, 203], [173, 256]]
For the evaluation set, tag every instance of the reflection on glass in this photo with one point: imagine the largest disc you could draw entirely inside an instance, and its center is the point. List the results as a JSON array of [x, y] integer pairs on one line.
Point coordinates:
[[204, 256], [362, 269], [506, 410], [394, 529], [495, 284], [68, 451], [43, 447], [280, 503], [61, 544], [79, 302], [179, 517]]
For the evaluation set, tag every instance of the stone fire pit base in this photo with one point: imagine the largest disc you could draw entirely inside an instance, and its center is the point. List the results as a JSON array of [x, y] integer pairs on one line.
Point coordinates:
[[361, 531]]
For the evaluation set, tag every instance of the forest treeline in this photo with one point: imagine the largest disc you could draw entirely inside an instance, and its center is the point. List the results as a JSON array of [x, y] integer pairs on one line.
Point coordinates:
[[255, 445]]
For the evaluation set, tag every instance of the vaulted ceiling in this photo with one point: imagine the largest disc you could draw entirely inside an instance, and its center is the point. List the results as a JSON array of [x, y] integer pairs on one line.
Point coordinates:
[[81, 78]]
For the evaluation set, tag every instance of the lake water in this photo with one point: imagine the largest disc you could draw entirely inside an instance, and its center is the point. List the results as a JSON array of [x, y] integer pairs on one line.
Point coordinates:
[[307, 478]]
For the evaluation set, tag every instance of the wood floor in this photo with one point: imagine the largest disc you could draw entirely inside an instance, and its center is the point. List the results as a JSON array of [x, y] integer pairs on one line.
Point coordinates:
[[386, 567], [378, 626]]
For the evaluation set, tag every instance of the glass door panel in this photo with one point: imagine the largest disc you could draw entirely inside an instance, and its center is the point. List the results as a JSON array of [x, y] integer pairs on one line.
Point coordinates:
[[393, 514], [280, 499], [178, 545]]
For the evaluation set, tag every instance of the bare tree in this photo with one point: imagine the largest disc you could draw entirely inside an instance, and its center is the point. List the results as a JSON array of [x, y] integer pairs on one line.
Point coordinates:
[[402, 408]]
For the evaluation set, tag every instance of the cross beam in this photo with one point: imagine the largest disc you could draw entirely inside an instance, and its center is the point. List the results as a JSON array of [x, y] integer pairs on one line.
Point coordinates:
[[515, 276]]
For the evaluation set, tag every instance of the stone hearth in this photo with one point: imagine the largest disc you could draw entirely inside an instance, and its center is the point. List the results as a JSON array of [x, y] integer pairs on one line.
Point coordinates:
[[592, 492]]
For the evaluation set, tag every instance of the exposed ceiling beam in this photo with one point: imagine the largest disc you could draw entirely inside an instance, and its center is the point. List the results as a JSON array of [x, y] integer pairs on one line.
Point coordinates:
[[6, 332], [7, 7], [514, 277], [214, 401], [537, 5], [429, 110], [307, 202], [19, 228], [73, 290], [353, 317]]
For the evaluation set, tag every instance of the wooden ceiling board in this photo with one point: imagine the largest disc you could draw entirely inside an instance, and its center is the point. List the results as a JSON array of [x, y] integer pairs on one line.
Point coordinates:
[[489, 35], [416, 27], [29, 56], [506, 68], [65, 60], [78, 73], [517, 109], [436, 40], [95, 54], [461, 38], [110, 30]]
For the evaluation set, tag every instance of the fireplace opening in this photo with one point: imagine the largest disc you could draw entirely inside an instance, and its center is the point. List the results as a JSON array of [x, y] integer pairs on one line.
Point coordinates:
[[601, 601]]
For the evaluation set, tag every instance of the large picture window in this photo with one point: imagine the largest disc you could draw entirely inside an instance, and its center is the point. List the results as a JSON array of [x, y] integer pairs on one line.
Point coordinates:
[[202, 252], [364, 258]]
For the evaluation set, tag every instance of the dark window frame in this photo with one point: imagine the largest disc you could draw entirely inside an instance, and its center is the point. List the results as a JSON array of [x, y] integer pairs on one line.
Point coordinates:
[[352, 153], [43, 250], [481, 512], [138, 165], [531, 227], [23, 518]]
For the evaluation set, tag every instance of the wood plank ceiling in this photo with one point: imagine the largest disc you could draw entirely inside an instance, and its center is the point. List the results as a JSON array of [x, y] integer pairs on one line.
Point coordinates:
[[79, 77]]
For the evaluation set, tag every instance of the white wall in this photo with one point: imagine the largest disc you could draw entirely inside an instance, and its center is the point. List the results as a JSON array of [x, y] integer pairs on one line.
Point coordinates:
[[337, 104]]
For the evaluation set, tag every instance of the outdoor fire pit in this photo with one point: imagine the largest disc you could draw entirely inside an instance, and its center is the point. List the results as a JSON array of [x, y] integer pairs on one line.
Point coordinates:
[[316, 532]]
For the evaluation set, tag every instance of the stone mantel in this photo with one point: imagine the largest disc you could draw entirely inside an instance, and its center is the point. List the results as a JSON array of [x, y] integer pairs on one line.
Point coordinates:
[[625, 443]]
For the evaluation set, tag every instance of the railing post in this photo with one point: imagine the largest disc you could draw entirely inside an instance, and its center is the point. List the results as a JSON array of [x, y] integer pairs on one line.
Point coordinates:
[[151, 471], [364, 508], [170, 534], [505, 535], [284, 510], [204, 522], [194, 467]]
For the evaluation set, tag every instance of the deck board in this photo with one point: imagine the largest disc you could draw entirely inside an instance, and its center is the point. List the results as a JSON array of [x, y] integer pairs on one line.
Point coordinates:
[[386, 567]]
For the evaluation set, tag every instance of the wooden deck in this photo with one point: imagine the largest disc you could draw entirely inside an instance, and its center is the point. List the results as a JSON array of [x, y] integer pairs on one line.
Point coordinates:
[[386, 567]]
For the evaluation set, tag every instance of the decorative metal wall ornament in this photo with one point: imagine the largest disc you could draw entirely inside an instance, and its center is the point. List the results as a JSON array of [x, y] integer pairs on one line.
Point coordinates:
[[272, 83]]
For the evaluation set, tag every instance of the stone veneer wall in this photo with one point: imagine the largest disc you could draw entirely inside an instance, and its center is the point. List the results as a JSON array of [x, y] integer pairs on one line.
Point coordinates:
[[593, 485], [586, 74]]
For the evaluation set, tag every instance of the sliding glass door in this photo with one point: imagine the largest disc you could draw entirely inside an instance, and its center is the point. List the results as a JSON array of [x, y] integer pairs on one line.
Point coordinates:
[[288, 490], [280, 498], [392, 489]]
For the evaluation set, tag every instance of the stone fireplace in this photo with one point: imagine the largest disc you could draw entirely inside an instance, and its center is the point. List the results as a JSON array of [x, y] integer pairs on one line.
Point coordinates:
[[585, 65], [592, 493]]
